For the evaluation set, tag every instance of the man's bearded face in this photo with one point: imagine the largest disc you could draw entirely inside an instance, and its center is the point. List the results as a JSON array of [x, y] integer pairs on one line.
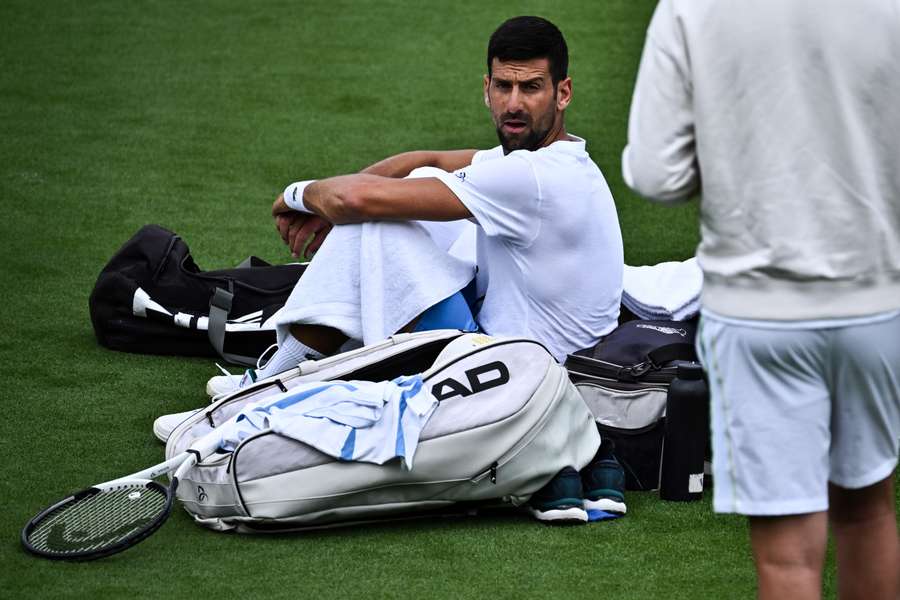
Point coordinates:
[[522, 99]]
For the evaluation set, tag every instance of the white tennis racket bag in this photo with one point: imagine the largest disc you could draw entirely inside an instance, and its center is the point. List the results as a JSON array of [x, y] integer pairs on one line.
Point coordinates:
[[508, 419]]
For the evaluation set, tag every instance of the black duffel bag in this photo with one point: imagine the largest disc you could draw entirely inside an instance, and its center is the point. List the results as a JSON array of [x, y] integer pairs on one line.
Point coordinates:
[[152, 298], [625, 381]]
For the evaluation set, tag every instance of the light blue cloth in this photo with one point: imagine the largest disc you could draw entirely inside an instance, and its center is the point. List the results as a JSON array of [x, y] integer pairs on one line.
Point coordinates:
[[350, 420]]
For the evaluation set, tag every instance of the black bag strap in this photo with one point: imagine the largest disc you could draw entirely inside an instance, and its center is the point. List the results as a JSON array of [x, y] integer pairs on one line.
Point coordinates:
[[252, 261], [656, 359], [219, 307], [670, 352]]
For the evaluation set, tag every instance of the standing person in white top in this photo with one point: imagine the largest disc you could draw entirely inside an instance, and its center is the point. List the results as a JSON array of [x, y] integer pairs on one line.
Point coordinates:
[[785, 116], [549, 248]]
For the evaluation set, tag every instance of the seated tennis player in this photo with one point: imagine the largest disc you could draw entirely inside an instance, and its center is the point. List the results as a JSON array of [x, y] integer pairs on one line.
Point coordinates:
[[549, 249], [547, 254]]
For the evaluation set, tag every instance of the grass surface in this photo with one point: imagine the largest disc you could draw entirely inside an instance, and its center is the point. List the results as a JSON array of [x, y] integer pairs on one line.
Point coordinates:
[[194, 116]]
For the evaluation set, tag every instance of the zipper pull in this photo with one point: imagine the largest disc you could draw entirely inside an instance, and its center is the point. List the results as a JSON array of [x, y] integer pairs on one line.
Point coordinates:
[[491, 472], [633, 372]]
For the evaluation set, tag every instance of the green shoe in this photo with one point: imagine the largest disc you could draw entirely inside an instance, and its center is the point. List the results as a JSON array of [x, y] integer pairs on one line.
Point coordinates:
[[603, 481], [560, 501]]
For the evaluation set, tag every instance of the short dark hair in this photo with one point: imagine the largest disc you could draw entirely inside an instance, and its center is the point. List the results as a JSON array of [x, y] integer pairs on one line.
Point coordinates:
[[525, 38]]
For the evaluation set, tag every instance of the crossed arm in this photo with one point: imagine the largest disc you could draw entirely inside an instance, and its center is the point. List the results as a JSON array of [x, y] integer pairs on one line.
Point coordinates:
[[378, 192]]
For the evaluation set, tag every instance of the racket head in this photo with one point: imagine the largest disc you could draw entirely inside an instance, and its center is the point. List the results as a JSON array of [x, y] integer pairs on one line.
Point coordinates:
[[100, 520]]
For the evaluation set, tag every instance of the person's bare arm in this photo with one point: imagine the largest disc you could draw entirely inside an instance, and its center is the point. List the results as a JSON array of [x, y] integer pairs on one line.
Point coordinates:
[[401, 165], [304, 233], [364, 197]]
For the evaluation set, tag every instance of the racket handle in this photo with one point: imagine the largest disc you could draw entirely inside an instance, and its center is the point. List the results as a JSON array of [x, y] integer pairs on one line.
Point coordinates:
[[192, 459]]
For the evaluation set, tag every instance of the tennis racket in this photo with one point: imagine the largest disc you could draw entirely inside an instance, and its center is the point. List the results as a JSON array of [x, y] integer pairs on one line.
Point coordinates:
[[107, 518]]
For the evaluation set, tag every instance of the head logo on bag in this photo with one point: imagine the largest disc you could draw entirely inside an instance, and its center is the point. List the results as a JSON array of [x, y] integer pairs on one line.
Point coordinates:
[[481, 378]]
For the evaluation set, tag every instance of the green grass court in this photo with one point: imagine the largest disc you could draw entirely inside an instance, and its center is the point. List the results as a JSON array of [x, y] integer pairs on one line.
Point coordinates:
[[195, 115]]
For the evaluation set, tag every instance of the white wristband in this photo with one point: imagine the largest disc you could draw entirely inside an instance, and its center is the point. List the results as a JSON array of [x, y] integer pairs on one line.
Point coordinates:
[[293, 195]]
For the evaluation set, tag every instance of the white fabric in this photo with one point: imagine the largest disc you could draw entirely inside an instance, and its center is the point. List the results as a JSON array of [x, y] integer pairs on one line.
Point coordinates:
[[350, 420], [804, 324], [665, 291], [457, 238], [290, 353], [786, 112], [489, 154], [463, 247], [293, 195], [372, 279], [549, 248], [794, 409]]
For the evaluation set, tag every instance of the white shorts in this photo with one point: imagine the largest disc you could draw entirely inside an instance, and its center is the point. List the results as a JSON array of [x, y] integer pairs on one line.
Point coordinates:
[[793, 409]]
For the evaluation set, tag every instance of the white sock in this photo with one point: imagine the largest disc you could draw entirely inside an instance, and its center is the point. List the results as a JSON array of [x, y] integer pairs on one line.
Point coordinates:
[[290, 353]]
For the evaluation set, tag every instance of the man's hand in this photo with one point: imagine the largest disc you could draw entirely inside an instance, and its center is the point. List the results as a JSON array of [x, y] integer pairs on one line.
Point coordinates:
[[303, 233], [280, 207]]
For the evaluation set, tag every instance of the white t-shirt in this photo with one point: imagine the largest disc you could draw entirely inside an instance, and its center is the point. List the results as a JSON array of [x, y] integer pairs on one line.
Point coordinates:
[[549, 248]]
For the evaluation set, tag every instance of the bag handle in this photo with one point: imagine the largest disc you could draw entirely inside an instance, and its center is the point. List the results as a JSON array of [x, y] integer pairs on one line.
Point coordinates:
[[219, 307], [671, 352]]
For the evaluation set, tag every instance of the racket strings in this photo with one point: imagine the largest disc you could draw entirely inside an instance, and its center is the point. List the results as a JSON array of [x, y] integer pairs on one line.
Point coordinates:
[[99, 520]]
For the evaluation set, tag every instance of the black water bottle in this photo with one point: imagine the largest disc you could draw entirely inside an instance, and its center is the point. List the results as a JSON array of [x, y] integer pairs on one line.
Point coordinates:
[[687, 426]]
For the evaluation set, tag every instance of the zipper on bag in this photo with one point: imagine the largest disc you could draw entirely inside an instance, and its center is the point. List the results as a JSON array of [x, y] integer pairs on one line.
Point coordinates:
[[490, 471], [645, 371], [532, 433]]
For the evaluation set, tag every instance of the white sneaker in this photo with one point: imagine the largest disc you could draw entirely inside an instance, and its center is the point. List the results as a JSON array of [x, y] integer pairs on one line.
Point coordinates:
[[219, 385], [164, 426], [222, 384]]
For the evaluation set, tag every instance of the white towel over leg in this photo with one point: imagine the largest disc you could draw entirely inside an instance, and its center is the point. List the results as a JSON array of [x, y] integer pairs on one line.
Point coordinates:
[[370, 280]]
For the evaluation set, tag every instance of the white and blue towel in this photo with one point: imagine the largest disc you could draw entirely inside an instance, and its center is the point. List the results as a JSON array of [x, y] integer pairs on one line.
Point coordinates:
[[349, 420]]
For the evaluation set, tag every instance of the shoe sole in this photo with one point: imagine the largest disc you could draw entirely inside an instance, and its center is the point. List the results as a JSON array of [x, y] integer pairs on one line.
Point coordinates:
[[560, 516], [606, 505]]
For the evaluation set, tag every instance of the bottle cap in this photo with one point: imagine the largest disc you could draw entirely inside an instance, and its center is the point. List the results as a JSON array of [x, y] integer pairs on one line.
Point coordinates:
[[690, 370]]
